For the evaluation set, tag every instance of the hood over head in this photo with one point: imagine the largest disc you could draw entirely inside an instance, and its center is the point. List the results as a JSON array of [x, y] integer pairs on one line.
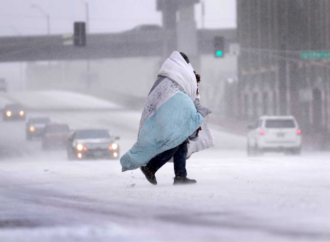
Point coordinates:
[[179, 71]]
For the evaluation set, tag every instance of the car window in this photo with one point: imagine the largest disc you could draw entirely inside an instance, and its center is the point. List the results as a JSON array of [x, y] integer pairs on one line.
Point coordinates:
[[14, 107], [40, 120], [280, 123], [92, 134], [57, 129]]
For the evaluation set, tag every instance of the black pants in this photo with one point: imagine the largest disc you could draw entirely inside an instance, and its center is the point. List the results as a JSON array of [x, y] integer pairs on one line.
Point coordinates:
[[178, 153]]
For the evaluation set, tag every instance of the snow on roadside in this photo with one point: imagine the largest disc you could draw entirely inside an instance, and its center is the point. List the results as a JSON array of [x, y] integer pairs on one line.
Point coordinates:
[[78, 233], [60, 100]]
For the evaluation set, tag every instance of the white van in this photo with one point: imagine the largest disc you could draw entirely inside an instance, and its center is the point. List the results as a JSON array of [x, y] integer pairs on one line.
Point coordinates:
[[274, 133]]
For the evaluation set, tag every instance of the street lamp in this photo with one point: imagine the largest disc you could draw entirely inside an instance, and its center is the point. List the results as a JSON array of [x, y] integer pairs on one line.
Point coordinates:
[[88, 65], [22, 84], [48, 30], [87, 14], [45, 14]]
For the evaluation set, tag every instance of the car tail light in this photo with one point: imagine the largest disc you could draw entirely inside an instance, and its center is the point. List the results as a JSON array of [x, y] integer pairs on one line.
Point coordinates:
[[261, 132], [298, 132]]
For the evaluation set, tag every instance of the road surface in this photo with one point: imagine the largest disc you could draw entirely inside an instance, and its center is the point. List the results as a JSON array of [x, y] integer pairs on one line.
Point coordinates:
[[45, 197]]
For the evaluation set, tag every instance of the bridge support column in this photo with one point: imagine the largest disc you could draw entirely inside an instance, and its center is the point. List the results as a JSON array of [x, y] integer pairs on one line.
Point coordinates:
[[187, 33], [179, 34]]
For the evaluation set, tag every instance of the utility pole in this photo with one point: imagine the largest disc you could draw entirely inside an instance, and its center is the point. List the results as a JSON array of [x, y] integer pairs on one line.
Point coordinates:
[[88, 65], [45, 14], [282, 64], [20, 63], [48, 25], [87, 17], [48, 30]]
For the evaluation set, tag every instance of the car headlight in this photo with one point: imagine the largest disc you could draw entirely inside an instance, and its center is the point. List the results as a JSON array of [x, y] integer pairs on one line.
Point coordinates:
[[80, 147], [32, 129], [8, 113], [21, 113], [114, 146]]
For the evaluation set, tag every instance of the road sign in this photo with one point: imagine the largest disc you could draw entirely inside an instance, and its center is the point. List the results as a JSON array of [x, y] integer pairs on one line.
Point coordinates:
[[67, 39], [315, 55]]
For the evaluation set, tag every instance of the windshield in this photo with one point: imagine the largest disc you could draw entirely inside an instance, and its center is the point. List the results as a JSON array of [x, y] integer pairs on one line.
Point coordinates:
[[57, 129], [14, 107], [40, 120], [92, 134], [280, 123]]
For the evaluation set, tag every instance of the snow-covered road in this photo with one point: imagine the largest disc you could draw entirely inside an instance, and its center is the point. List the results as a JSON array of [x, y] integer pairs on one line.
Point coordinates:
[[44, 197]]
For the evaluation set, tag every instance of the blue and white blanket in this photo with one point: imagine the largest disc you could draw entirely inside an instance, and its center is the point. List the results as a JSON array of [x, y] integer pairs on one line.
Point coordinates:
[[169, 116]]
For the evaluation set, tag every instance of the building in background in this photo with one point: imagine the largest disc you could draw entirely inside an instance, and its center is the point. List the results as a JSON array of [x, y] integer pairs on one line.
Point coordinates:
[[273, 79]]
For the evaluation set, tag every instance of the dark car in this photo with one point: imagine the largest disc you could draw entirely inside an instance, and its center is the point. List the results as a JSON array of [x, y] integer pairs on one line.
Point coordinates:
[[92, 143], [55, 136], [13, 111], [35, 127]]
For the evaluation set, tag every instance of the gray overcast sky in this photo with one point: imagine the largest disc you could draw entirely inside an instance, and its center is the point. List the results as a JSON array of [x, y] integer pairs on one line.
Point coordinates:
[[17, 16]]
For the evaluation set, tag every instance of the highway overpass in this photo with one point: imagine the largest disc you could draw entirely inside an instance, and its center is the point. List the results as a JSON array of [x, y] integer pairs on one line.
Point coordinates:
[[100, 46]]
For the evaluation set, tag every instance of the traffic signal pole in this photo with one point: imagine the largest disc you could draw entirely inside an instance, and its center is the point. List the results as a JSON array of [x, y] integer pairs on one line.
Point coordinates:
[[282, 75], [88, 65], [282, 82]]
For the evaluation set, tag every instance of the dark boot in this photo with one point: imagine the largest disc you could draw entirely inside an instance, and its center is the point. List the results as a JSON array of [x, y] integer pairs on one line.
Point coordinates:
[[149, 175], [179, 180]]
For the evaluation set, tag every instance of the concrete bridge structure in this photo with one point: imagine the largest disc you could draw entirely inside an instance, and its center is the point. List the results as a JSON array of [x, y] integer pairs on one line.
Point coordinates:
[[99, 46], [122, 66], [177, 33]]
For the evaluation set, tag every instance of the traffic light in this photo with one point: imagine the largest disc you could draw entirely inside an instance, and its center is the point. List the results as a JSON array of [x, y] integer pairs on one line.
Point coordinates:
[[219, 46], [80, 34]]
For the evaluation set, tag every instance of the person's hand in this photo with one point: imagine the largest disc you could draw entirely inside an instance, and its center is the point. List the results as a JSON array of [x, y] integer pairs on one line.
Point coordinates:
[[198, 78]]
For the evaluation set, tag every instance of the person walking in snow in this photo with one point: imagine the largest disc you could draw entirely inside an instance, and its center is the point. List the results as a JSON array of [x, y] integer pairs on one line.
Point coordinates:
[[171, 117]]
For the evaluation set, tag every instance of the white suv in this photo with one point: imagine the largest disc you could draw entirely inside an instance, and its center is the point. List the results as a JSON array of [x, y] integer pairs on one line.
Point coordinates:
[[274, 133]]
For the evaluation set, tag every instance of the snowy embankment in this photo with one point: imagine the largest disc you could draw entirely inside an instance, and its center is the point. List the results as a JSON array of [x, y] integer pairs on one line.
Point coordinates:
[[59, 100], [70, 101]]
